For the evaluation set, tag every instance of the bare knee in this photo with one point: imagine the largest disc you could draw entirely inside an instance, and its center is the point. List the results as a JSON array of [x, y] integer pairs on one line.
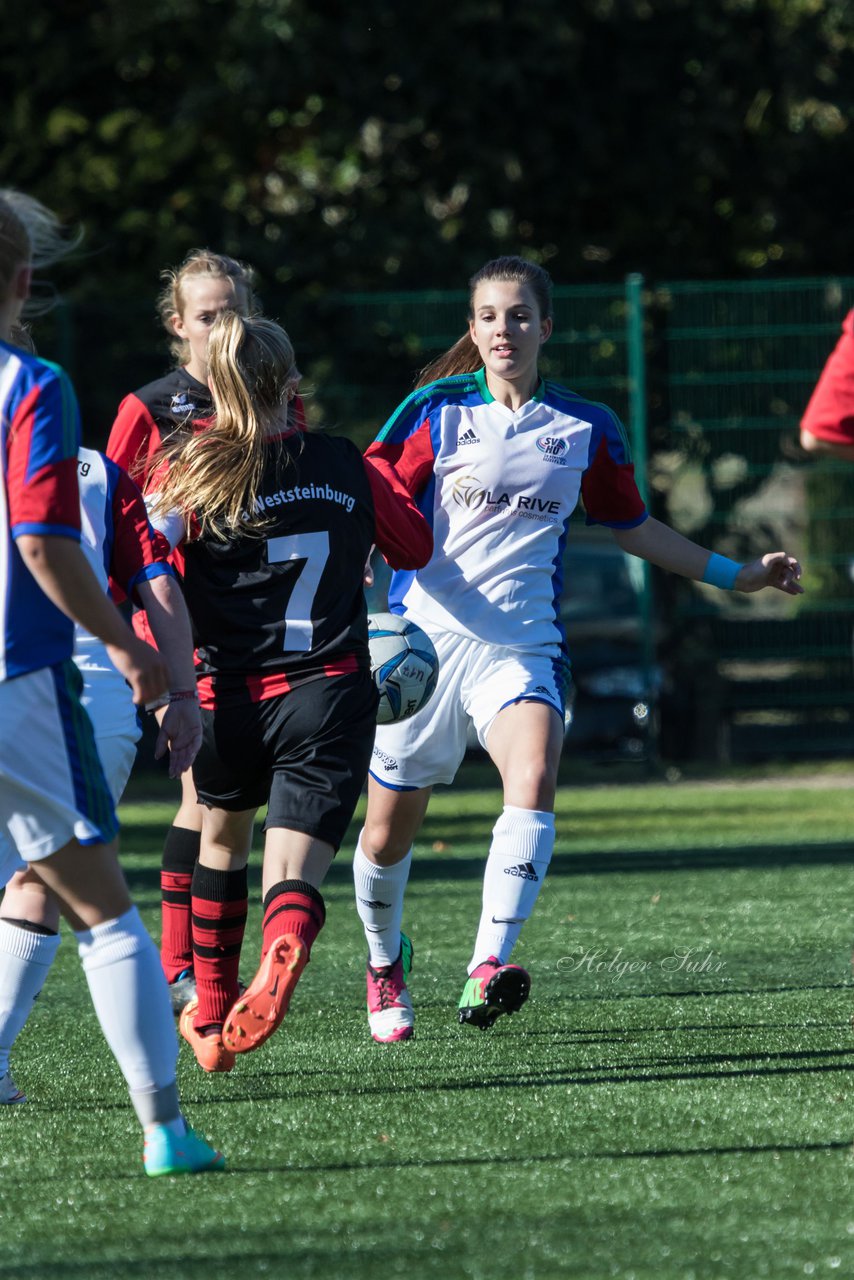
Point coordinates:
[[27, 898], [189, 813], [383, 843], [392, 822], [532, 787]]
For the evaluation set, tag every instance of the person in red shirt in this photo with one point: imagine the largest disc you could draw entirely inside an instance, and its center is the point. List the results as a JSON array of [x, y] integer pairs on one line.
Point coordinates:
[[828, 422]]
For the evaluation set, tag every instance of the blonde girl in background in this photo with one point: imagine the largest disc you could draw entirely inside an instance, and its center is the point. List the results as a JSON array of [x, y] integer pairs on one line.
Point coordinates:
[[193, 296]]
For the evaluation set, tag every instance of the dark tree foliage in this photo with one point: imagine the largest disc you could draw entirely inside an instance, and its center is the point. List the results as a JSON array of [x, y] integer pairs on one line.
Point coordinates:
[[389, 146]]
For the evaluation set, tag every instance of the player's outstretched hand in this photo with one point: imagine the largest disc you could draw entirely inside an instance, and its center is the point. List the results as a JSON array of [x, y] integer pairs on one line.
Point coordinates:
[[776, 569], [142, 667], [180, 734]]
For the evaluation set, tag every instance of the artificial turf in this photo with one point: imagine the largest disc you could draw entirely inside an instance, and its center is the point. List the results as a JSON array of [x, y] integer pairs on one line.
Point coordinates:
[[673, 1102]]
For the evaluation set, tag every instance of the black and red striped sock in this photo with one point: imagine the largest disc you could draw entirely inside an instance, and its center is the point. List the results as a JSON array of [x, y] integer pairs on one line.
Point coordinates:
[[180, 854], [292, 906], [220, 903]]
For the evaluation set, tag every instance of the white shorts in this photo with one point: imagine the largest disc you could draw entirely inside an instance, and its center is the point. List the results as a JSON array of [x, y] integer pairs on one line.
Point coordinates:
[[476, 681], [109, 704], [52, 785], [117, 756], [107, 698]]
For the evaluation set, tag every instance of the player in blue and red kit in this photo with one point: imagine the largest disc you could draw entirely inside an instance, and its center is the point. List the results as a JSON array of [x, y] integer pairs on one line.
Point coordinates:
[[54, 797], [126, 553], [497, 459]]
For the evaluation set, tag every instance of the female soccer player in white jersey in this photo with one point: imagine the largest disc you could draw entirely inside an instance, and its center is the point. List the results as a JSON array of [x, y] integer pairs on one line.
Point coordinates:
[[193, 295], [275, 525], [497, 460], [54, 798]]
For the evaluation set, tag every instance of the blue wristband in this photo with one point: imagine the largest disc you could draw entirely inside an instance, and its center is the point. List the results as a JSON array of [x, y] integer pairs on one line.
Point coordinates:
[[721, 572]]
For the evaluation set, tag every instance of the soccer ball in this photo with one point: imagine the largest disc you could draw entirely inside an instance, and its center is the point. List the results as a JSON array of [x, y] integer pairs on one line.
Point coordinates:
[[404, 666]]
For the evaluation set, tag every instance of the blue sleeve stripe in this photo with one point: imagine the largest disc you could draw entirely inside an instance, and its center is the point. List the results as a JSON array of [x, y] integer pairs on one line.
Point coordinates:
[[51, 530], [160, 569], [619, 524]]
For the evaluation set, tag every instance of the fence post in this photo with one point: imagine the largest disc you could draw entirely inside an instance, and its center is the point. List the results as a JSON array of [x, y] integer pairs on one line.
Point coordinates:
[[637, 378], [636, 363]]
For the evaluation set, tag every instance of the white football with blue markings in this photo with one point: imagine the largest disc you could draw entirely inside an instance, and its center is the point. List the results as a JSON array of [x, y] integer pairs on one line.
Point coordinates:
[[404, 666]]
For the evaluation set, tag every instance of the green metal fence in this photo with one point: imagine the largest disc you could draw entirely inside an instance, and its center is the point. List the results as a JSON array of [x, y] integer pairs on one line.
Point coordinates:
[[735, 365]]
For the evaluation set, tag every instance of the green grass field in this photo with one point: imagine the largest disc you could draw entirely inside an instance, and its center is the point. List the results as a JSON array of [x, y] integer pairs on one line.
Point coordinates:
[[674, 1101]]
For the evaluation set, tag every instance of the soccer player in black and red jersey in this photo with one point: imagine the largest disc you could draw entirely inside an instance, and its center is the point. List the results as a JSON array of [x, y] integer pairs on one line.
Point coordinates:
[[275, 525], [193, 295]]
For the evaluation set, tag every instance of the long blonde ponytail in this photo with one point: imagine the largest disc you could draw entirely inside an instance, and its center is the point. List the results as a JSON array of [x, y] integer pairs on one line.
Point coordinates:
[[216, 473]]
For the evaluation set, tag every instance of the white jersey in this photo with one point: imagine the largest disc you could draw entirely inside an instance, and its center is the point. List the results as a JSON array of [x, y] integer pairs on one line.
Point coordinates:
[[118, 543], [59, 778], [498, 487]]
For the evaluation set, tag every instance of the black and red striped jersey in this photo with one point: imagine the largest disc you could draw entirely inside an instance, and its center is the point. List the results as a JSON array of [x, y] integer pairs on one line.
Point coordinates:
[[288, 606], [150, 416]]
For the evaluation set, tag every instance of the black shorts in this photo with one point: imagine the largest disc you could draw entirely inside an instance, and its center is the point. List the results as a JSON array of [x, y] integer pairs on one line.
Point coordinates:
[[304, 754]]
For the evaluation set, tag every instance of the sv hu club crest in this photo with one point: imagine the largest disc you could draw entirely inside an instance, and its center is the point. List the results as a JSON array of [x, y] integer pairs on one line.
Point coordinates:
[[553, 446]]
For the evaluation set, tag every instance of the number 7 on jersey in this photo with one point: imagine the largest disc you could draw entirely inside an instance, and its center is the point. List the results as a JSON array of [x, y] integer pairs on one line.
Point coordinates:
[[313, 550]]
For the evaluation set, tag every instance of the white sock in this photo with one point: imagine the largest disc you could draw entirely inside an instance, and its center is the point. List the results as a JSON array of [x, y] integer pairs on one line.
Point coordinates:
[[130, 996], [379, 902], [25, 960], [521, 850]]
